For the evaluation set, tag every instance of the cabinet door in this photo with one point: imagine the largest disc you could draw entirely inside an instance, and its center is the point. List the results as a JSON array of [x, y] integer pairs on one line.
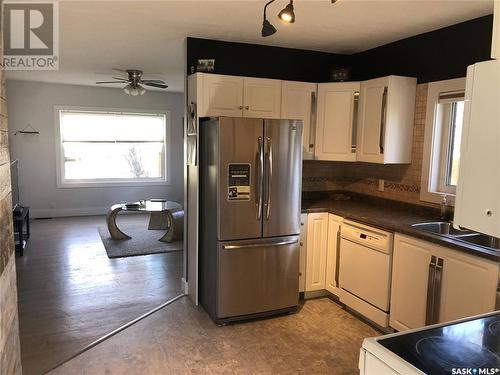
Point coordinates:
[[222, 95], [468, 286], [495, 43], [262, 98], [478, 201], [372, 118], [298, 101], [337, 118], [302, 256], [332, 253], [317, 237], [410, 271]]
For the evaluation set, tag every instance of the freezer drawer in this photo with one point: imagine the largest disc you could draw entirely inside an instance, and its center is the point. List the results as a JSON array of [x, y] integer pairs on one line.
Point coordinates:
[[257, 276]]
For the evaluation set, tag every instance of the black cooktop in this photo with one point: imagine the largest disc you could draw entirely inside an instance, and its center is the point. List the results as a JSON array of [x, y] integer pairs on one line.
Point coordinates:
[[470, 347]]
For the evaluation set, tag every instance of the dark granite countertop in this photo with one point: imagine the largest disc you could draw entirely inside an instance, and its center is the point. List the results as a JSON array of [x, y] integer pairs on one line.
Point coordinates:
[[388, 215]]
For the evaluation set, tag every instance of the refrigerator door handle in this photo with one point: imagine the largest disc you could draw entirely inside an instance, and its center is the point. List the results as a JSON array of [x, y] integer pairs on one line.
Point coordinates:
[[280, 243], [269, 176], [260, 182]]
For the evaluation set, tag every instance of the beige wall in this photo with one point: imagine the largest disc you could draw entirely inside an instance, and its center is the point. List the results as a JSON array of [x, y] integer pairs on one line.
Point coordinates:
[[402, 182], [10, 354]]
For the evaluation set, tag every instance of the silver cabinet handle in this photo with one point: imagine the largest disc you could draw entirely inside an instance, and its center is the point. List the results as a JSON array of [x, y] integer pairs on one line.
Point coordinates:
[[253, 245], [337, 260], [437, 290], [312, 123], [269, 176], [261, 177], [383, 120], [354, 134], [431, 279]]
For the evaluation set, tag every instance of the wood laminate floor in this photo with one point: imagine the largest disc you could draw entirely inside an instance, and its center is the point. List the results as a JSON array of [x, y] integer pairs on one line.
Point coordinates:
[[322, 338], [70, 293]]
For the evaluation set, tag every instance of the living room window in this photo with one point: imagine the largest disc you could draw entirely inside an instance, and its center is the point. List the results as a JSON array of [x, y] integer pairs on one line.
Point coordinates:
[[443, 134], [98, 147]]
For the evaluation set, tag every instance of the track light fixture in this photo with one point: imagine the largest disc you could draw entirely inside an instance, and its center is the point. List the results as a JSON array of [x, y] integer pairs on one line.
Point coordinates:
[[267, 28], [287, 14]]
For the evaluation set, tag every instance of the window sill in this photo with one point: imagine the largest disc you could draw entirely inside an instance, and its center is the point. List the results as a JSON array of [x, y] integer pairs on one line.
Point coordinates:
[[111, 184]]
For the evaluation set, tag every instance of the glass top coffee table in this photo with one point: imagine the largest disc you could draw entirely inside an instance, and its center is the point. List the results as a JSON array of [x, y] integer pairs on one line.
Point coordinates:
[[164, 215]]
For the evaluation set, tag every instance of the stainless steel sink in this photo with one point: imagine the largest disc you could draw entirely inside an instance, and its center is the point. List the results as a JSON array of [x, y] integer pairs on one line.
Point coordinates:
[[441, 227], [445, 228], [482, 240]]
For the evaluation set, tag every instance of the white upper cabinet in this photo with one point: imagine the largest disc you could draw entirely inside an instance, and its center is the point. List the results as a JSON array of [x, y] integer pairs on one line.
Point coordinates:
[[337, 121], [385, 123], [221, 95], [495, 42], [261, 98], [298, 101], [477, 204]]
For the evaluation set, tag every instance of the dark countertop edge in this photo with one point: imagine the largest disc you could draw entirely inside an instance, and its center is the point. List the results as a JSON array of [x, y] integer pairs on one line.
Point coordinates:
[[411, 232]]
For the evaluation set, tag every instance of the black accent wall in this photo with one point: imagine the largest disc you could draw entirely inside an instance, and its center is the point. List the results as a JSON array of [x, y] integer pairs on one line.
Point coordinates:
[[254, 60], [436, 55], [433, 56]]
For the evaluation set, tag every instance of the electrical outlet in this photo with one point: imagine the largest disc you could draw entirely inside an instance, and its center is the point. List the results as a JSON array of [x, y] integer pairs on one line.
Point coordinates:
[[381, 185]]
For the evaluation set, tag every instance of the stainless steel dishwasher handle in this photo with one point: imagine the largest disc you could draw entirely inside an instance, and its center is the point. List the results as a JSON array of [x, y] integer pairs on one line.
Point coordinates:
[[253, 245]]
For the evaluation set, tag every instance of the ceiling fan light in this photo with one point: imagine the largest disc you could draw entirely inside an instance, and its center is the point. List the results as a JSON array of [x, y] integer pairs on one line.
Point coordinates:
[[287, 14], [141, 90], [267, 28]]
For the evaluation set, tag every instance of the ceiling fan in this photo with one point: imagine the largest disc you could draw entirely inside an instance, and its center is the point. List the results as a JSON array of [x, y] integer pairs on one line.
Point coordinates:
[[134, 82]]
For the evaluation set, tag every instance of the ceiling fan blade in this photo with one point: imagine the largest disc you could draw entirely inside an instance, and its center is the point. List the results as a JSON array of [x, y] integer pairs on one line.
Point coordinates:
[[152, 84], [111, 82], [120, 78], [120, 70], [159, 81]]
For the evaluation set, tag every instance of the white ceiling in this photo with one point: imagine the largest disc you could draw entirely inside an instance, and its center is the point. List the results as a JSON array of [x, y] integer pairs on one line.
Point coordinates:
[[96, 36]]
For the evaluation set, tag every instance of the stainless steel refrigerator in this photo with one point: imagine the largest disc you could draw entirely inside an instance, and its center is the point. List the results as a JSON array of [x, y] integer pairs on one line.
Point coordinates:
[[250, 197]]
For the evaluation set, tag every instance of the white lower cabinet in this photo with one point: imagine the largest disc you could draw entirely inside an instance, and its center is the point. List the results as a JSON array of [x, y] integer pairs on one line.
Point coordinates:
[[432, 284], [322, 252]]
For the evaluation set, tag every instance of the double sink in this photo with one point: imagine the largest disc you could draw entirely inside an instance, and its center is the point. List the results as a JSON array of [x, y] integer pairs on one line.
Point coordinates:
[[446, 228]]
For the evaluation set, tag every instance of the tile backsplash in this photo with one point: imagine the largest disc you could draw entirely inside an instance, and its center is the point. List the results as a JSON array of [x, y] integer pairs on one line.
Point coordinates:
[[401, 181]]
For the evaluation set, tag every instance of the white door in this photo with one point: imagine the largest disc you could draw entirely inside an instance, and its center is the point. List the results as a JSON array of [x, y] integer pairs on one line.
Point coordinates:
[[317, 238], [478, 200], [298, 101], [337, 121], [468, 287], [302, 256], [222, 95], [262, 98], [410, 270], [332, 253], [372, 118]]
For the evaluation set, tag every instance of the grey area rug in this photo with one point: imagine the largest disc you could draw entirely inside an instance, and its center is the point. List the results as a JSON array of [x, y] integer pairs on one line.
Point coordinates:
[[143, 242]]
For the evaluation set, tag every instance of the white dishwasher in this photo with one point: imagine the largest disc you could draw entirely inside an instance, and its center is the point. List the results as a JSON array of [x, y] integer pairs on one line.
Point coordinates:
[[365, 271]]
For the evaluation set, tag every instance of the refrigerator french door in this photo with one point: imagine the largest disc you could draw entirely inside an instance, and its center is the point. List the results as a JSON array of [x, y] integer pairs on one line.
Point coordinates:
[[250, 192]]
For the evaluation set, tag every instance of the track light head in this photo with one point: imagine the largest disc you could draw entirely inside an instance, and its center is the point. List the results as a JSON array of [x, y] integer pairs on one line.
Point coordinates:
[[287, 14], [267, 28]]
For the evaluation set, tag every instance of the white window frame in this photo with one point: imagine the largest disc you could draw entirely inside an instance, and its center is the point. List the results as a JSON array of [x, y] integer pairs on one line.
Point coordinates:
[[435, 145], [63, 183]]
